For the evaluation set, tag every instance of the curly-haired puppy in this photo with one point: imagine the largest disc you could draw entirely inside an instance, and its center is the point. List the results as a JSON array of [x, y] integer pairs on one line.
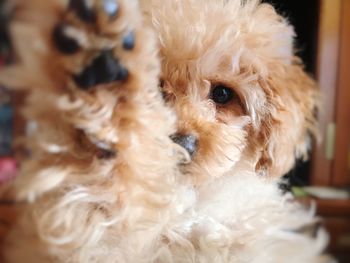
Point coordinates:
[[229, 70], [118, 175]]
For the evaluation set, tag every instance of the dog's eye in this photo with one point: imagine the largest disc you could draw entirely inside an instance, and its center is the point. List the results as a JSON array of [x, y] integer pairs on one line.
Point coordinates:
[[222, 95]]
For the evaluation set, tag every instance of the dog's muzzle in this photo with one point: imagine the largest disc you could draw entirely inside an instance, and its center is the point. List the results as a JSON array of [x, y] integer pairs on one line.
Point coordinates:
[[187, 141]]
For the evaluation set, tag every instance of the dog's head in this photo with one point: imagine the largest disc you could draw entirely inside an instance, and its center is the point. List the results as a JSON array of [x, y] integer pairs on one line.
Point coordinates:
[[240, 94]]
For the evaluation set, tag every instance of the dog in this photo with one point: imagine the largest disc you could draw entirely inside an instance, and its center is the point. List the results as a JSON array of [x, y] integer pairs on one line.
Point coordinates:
[[162, 129], [236, 82]]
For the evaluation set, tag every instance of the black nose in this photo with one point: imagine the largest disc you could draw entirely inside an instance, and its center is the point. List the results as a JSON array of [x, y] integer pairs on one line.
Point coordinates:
[[188, 141]]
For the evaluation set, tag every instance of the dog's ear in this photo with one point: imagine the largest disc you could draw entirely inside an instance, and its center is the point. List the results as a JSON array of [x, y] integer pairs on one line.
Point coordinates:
[[290, 123]]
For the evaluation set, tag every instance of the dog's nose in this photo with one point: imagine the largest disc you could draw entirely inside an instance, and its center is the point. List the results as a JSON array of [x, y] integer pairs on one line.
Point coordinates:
[[187, 141]]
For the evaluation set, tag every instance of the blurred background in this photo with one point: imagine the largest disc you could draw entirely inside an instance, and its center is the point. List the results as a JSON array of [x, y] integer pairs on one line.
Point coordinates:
[[323, 41]]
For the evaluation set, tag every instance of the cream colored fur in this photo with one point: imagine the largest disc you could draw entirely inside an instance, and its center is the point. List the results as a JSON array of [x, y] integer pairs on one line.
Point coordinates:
[[151, 202]]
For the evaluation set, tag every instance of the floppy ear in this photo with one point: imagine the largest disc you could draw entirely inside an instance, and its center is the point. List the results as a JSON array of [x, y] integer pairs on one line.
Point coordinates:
[[287, 129]]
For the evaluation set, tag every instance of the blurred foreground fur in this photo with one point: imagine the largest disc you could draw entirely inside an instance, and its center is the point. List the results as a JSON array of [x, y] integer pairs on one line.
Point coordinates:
[[107, 183]]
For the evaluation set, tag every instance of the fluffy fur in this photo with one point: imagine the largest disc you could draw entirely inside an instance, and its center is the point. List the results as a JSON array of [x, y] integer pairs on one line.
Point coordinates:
[[107, 184], [246, 46]]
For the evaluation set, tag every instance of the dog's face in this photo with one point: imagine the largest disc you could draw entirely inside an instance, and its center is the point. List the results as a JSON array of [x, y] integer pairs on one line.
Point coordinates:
[[229, 72]]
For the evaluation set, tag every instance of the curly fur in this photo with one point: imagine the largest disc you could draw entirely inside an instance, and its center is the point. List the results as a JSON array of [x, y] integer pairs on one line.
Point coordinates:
[[150, 202], [248, 47]]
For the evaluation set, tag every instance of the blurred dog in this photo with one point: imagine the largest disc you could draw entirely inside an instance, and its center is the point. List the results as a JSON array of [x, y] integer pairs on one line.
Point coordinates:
[[106, 182]]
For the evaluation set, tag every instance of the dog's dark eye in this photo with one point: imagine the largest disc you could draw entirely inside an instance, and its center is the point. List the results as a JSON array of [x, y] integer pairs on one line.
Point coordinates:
[[222, 95]]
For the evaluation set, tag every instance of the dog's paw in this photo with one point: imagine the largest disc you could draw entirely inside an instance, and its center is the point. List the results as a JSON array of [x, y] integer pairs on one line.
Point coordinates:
[[108, 38], [97, 32], [91, 66], [108, 60]]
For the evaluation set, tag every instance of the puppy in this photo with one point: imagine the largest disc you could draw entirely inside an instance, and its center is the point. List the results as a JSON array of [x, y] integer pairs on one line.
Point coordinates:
[[240, 93], [106, 183]]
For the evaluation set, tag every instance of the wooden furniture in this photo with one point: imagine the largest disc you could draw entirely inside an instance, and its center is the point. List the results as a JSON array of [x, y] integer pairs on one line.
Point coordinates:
[[330, 163], [331, 157], [336, 216]]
